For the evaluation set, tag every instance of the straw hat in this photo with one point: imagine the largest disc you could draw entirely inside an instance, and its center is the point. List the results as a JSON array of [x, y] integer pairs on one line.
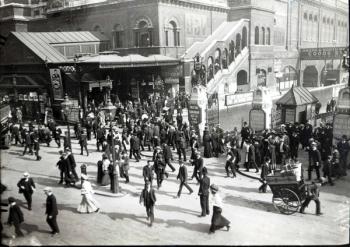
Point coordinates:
[[214, 187]]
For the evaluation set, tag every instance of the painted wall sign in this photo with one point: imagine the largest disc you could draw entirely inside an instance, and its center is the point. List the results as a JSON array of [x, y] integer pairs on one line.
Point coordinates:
[[323, 53], [56, 81], [194, 114], [290, 116], [257, 119], [341, 126]]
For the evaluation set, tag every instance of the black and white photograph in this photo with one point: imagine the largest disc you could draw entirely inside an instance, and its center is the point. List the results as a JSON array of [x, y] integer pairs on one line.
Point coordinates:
[[174, 122]]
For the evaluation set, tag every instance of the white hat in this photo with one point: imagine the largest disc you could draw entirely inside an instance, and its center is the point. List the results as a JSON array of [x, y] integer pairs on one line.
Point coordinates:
[[49, 189], [26, 174]]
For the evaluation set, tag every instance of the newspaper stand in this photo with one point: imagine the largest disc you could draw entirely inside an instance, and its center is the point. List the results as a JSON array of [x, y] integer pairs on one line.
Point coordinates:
[[288, 188]]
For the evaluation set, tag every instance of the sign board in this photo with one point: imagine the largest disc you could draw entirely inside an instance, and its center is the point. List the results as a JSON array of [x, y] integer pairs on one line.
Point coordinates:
[[323, 53], [56, 81], [213, 110], [290, 116], [257, 119], [276, 117], [341, 126], [194, 114], [238, 98]]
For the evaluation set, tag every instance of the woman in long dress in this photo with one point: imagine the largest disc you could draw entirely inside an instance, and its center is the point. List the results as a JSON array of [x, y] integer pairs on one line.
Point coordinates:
[[88, 204], [207, 144], [217, 221], [105, 175]]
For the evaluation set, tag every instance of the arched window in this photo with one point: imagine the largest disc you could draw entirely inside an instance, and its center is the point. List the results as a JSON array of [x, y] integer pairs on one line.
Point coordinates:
[[244, 37], [310, 17], [242, 78], [172, 35], [324, 20], [328, 21], [238, 43], [117, 36], [310, 76], [217, 60], [315, 18], [268, 36], [224, 58], [256, 35], [231, 51], [210, 64], [305, 16], [262, 36], [143, 33]]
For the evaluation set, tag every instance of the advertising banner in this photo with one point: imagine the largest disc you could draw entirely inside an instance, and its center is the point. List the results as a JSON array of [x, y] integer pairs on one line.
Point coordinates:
[[56, 81], [323, 53], [194, 114], [257, 119]]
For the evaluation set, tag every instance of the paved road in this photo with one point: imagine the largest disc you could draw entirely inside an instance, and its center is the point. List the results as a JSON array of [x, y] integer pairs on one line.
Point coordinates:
[[122, 220]]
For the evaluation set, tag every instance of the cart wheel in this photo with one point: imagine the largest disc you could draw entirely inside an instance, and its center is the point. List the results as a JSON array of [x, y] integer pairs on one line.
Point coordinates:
[[286, 201]]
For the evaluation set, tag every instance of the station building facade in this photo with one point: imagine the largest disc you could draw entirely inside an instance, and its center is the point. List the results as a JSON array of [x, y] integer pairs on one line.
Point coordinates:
[[242, 44]]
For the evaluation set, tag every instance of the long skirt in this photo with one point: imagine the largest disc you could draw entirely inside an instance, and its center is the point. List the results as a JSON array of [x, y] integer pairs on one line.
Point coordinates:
[[105, 179], [218, 221], [88, 204]]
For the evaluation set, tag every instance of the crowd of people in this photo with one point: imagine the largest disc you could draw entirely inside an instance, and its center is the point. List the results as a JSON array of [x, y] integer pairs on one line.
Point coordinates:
[[153, 130]]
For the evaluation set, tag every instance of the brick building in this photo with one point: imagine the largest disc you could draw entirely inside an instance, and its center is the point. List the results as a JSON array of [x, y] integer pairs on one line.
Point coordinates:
[[242, 43]]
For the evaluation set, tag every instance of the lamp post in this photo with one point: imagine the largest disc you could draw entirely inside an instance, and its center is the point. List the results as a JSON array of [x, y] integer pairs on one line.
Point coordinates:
[[67, 105], [115, 180]]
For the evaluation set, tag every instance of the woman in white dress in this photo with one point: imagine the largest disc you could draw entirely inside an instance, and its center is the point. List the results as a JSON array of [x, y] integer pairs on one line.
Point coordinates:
[[217, 221], [88, 204]]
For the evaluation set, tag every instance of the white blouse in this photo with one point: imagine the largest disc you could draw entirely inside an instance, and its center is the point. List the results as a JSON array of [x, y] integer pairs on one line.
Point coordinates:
[[216, 200]]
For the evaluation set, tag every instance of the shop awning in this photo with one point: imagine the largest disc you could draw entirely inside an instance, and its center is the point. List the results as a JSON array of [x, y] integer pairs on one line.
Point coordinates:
[[297, 96], [111, 61]]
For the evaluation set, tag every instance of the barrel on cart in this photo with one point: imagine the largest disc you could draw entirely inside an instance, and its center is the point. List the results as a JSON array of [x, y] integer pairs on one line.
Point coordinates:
[[288, 190]]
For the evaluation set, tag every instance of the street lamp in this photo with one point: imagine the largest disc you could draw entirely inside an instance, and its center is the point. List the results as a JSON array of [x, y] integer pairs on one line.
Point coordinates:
[[115, 180], [66, 106]]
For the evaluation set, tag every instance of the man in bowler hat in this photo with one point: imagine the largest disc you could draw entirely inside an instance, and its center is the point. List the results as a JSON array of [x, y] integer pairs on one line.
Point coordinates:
[[51, 211]]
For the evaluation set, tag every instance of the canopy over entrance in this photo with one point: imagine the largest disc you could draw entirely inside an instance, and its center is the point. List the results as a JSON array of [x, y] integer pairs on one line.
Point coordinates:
[[297, 96]]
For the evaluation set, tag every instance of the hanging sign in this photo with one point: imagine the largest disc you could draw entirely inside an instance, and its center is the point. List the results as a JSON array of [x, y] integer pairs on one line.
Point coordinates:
[[56, 81], [194, 114]]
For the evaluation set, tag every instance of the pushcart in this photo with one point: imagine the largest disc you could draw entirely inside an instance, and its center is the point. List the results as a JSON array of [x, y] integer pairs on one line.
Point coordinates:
[[288, 190]]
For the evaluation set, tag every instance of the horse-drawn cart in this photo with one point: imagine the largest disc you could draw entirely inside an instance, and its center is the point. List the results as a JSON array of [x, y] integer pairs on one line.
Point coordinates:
[[288, 188]]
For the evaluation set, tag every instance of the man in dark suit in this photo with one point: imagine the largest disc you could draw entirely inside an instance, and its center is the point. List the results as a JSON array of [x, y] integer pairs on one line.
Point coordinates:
[[83, 143], [198, 167], [15, 216], [204, 193], [51, 211], [264, 172], [251, 157], [314, 161], [245, 133], [312, 193], [71, 163], [28, 143], [168, 155], [183, 178], [148, 198], [100, 137], [36, 147], [230, 161], [26, 186], [135, 147], [147, 172], [181, 145]]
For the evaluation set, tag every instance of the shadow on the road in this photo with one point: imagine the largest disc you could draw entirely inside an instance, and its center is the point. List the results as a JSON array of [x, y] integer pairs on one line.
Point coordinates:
[[16, 153], [26, 158], [47, 181], [56, 153], [244, 202], [198, 227], [33, 228], [241, 189], [171, 208], [67, 208], [121, 216]]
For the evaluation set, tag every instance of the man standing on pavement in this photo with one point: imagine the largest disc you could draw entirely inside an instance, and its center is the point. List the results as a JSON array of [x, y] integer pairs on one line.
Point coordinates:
[[343, 148], [314, 161], [71, 163], [183, 178], [230, 161], [181, 146], [251, 157], [27, 187], [245, 133], [264, 171], [204, 193], [148, 198], [83, 143], [36, 147], [28, 143], [147, 172], [15, 217], [51, 211]]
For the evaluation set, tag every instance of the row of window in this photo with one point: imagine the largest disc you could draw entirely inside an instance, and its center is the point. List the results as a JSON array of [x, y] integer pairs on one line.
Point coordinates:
[[263, 38], [325, 20]]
